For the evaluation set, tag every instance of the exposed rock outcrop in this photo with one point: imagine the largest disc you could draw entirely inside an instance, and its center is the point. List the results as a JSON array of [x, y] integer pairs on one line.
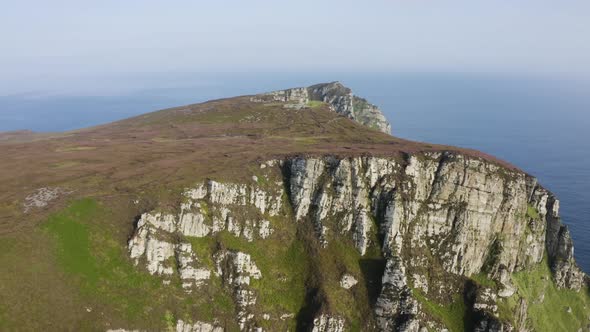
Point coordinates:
[[344, 102], [558, 242], [396, 309], [154, 244], [348, 281], [470, 214], [521, 316], [507, 288], [437, 212], [340, 99], [207, 209], [42, 197], [236, 269], [182, 326], [484, 310], [437, 218], [453, 207], [489, 323], [327, 323]]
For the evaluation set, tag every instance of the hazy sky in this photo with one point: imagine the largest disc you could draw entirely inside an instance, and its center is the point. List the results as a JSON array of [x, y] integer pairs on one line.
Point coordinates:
[[50, 42]]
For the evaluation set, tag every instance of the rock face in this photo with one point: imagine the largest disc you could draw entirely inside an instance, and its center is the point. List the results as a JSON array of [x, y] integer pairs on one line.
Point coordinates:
[[560, 247], [182, 326], [437, 212], [207, 209], [161, 241], [348, 281], [395, 308], [154, 244], [436, 219], [340, 99], [236, 269], [453, 207], [327, 323]]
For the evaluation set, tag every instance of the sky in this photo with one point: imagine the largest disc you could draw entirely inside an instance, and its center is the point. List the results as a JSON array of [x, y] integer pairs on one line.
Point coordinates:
[[67, 44]]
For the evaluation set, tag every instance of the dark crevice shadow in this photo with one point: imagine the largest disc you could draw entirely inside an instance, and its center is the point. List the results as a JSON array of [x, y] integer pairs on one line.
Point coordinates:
[[471, 317], [135, 222], [306, 315], [372, 270]]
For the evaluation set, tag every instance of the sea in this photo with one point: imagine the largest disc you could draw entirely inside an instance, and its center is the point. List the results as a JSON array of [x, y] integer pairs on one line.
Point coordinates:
[[539, 123]]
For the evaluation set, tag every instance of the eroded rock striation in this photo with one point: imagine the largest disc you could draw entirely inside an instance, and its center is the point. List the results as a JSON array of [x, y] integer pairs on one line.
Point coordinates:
[[162, 241], [438, 213], [236, 269], [436, 219]]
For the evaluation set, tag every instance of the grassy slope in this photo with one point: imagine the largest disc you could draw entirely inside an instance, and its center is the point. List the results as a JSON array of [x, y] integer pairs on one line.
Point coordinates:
[[74, 263], [547, 305], [59, 262], [87, 254], [452, 315]]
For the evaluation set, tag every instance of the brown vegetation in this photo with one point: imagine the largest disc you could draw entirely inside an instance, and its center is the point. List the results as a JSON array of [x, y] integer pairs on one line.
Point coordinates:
[[179, 145]]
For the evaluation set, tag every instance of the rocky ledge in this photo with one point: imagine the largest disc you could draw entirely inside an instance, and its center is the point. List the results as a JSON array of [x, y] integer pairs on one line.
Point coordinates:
[[340, 99]]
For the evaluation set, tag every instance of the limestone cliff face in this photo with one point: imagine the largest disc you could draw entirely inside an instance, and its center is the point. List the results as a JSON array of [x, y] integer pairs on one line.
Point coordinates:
[[435, 219], [455, 208], [436, 212], [340, 99], [559, 244]]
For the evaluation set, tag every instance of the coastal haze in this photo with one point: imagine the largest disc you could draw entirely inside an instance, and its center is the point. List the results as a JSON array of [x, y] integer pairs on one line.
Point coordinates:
[[67, 46], [309, 166]]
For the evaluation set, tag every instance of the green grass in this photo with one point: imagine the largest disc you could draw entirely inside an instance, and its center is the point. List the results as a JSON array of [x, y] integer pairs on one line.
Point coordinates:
[[73, 240], [532, 212], [282, 261], [170, 321], [98, 265], [211, 302], [283, 266], [204, 247], [483, 280], [219, 302], [551, 314], [452, 315], [337, 258], [315, 103], [7, 246]]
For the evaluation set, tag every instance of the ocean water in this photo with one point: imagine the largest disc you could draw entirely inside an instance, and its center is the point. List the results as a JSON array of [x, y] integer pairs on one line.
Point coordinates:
[[541, 125]]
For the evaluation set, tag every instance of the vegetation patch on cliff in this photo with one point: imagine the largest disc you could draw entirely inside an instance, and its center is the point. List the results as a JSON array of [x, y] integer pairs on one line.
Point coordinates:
[[549, 308], [532, 212], [283, 263], [315, 103], [452, 315]]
